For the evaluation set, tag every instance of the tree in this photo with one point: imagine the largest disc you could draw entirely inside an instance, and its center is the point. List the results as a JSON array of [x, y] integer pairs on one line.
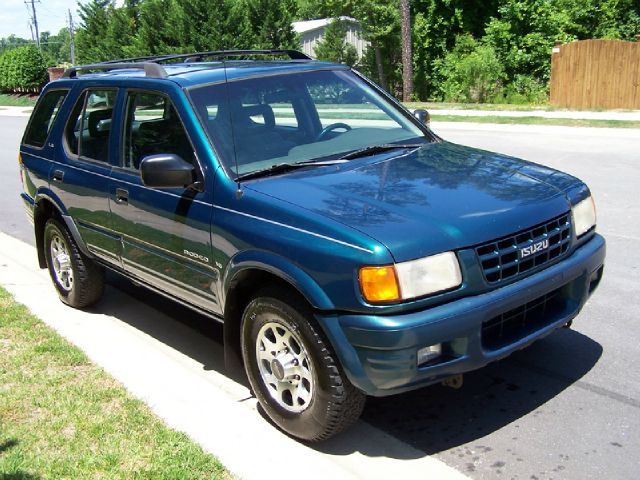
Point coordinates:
[[334, 47], [381, 27], [271, 21], [524, 34], [160, 28], [407, 57], [90, 38], [12, 41]]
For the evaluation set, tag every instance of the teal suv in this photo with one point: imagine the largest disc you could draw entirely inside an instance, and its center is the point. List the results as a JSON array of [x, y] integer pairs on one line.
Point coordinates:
[[346, 248]]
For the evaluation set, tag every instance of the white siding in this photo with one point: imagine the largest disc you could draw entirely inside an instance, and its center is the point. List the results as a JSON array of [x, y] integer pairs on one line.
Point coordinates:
[[310, 38]]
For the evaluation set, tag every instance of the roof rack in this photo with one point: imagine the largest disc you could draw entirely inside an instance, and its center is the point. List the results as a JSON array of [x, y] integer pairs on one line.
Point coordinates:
[[152, 68], [199, 56]]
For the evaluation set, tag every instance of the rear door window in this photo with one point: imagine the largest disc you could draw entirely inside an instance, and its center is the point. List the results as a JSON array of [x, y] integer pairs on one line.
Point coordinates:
[[43, 118], [89, 127]]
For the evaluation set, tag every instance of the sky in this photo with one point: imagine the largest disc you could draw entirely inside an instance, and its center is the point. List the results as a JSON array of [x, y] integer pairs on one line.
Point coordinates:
[[52, 16]]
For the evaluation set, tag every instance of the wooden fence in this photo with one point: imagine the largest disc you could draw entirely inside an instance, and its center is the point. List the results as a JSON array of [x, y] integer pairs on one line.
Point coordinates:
[[596, 74]]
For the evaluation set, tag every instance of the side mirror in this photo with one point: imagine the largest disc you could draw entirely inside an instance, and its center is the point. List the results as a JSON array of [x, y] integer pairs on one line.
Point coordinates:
[[166, 170], [423, 116]]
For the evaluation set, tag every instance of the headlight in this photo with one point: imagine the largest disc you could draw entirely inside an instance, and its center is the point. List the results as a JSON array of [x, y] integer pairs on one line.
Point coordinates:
[[584, 215], [412, 279]]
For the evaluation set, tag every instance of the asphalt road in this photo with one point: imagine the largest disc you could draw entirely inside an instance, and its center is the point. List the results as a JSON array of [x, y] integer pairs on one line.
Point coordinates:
[[568, 407]]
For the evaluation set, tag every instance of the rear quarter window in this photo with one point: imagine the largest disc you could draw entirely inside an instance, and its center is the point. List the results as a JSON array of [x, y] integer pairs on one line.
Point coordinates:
[[43, 118]]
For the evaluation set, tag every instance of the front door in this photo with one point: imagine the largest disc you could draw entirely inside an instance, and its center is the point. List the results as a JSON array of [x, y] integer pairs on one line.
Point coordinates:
[[165, 232]]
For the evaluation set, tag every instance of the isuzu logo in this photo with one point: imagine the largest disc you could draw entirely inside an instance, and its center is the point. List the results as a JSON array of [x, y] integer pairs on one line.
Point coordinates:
[[535, 248]]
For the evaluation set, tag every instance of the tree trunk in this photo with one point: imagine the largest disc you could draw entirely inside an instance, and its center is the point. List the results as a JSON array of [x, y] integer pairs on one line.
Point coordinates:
[[407, 60], [382, 80]]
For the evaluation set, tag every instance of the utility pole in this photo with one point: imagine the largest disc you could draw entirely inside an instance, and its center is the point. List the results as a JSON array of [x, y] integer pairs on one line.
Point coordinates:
[[34, 19], [72, 43]]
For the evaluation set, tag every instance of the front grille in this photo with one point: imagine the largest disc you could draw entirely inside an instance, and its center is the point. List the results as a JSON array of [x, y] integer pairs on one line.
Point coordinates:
[[502, 259], [516, 324]]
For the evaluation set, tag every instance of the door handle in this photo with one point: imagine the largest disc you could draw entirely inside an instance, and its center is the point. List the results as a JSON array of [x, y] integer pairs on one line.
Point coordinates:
[[58, 176], [122, 195]]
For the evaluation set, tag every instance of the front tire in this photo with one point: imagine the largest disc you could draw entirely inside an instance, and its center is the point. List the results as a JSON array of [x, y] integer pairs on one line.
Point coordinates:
[[293, 371], [78, 279]]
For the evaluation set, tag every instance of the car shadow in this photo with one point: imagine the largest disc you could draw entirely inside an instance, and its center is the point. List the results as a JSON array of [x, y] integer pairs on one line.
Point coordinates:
[[438, 418], [195, 335], [5, 446], [426, 421]]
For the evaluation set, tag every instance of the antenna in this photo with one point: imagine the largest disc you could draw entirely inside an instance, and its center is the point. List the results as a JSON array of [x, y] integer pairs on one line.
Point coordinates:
[[233, 137]]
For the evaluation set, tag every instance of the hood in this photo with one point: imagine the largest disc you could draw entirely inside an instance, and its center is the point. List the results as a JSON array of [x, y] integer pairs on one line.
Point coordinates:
[[439, 197]]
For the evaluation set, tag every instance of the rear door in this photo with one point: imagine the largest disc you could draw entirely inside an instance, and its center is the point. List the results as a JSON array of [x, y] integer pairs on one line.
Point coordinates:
[[165, 232], [80, 175], [37, 150]]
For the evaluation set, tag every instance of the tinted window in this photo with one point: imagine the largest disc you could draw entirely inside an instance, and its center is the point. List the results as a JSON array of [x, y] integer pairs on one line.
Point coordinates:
[[43, 118], [261, 122], [74, 126], [89, 127], [153, 127]]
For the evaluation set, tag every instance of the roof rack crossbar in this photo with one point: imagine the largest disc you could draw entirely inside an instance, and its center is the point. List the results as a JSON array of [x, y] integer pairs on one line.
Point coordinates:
[[198, 56], [151, 69]]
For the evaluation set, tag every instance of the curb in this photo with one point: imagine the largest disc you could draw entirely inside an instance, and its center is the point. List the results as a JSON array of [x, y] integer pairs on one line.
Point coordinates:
[[179, 373]]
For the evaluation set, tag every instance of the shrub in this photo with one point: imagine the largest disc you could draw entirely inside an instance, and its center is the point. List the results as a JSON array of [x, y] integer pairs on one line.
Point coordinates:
[[471, 72], [22, 69], [523, 89]]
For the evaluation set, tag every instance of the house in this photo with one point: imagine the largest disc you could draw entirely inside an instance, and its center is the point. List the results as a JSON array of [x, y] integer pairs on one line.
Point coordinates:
[[312, 31]]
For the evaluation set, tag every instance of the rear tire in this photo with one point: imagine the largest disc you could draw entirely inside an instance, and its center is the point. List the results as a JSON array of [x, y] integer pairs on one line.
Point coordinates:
[[78, 279], [293, 370]]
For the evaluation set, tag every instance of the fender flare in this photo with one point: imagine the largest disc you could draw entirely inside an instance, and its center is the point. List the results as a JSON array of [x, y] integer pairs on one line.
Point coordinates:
[[66, 218], [277, 266], [280, 267]]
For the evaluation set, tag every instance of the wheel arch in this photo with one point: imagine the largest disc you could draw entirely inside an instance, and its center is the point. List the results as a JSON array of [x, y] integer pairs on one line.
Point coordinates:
[[49, 207], [245, 276]]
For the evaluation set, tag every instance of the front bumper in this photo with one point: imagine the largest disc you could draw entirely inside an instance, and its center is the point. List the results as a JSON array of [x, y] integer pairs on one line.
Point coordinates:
[[379, 353]]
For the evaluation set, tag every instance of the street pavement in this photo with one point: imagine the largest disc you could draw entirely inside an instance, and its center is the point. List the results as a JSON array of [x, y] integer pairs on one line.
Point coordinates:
[[566, 408]]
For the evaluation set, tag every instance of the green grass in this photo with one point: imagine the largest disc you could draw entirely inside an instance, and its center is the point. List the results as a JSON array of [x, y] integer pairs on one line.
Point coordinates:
[[480, 106], [500, 106], [17, 100], [63, 417], [569, 122]]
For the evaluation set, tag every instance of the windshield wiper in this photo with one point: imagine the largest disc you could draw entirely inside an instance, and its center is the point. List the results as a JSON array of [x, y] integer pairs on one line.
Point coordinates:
[[373, 149], [286, 167]]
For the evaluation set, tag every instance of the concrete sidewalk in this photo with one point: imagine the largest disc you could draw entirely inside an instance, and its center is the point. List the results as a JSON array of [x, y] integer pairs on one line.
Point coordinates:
[[179, 374], [15, 111], [632, 115]]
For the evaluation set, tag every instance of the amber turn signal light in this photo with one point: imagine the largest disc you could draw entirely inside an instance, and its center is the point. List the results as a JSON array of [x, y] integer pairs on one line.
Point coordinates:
[[379, 284]]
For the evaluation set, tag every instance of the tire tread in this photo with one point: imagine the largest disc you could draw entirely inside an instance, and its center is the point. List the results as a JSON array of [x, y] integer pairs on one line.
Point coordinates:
[[88, 282]]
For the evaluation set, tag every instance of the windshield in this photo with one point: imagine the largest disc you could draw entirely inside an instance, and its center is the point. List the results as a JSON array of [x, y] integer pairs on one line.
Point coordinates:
[[299, 117]]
